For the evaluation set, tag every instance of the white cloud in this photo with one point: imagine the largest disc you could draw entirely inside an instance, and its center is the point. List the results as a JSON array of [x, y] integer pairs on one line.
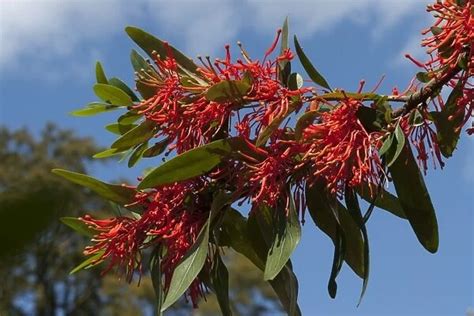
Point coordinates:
[[41, 31], [204, 26]]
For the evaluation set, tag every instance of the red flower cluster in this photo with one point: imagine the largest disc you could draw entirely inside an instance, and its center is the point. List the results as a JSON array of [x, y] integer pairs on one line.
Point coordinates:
[[453, 34], [341, 150], [266, 180], [186, 117], [451, 50], [173, 217]]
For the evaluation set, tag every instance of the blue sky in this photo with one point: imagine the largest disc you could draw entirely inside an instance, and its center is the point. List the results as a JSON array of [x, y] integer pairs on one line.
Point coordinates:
[[47, 55]]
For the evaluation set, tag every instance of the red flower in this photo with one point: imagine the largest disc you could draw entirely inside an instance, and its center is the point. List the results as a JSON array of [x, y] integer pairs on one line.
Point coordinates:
[[119, 240], [341, 151], [453, 34], [173, 217], [267, 181]]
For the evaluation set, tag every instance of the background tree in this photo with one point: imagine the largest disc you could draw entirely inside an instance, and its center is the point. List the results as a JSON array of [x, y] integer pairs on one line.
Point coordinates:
[[37, 251]]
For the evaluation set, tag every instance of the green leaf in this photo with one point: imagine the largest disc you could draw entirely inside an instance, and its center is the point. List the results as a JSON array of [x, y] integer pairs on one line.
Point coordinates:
[[79, 226], [108, 153], [112, 94], [149, 43], [95, 108], [234, 234], [329, 214], [156, 279], [398, 143], [385, 200], [137, 154], [423, 77], [260, 227], [135, 136], [284, 243], [116, 82], [116, 193], [415, 199], [387, 144], [129, 118], [338, 259], [237, 234], [353, 207], [89, 262], [304, 121], [368, 117], [157, 149], [190, 164], [448, 122], [189, 267], [146, 91], [220, 283], [120, 129], [285, 286], [309, 68], [284, 66], [138, 62], [295, 81], [100, 74], [228, 90]]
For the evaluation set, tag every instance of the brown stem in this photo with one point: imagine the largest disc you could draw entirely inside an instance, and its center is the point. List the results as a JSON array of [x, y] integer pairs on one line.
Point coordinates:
[[421, 96]]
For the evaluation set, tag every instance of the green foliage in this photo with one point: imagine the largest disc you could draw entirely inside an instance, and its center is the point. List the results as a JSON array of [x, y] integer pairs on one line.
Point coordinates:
[[414, 199], [309, 68]]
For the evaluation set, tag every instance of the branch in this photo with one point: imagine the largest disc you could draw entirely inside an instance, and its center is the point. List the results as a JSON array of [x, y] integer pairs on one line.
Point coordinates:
[[424, 93]]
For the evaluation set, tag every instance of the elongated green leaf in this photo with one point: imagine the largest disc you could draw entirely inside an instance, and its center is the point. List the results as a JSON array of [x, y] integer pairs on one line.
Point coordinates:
[[189, 267], [112, 94], [190, 164], [285, 286], [95, 108], [116, 193], [284, 66], [260, 227], [284, 243], [120, 129], [149, 43], [398, 143], [415, 199], [79, 226], [157, 149], [137, 154], [385, 201], [116, 82], [338, 259], [228, 90], [353, 207], [156, 278], [220, 283], [309, 68], [108, 153], [129, 118], [138, 62], [89, 262], [326, 212], [135, 136], [448, 122], [387, 144], [100, 74], [234, 234]]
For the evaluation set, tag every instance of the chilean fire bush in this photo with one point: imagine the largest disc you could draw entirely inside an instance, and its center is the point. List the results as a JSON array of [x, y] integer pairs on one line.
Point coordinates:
[[250, 149]]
